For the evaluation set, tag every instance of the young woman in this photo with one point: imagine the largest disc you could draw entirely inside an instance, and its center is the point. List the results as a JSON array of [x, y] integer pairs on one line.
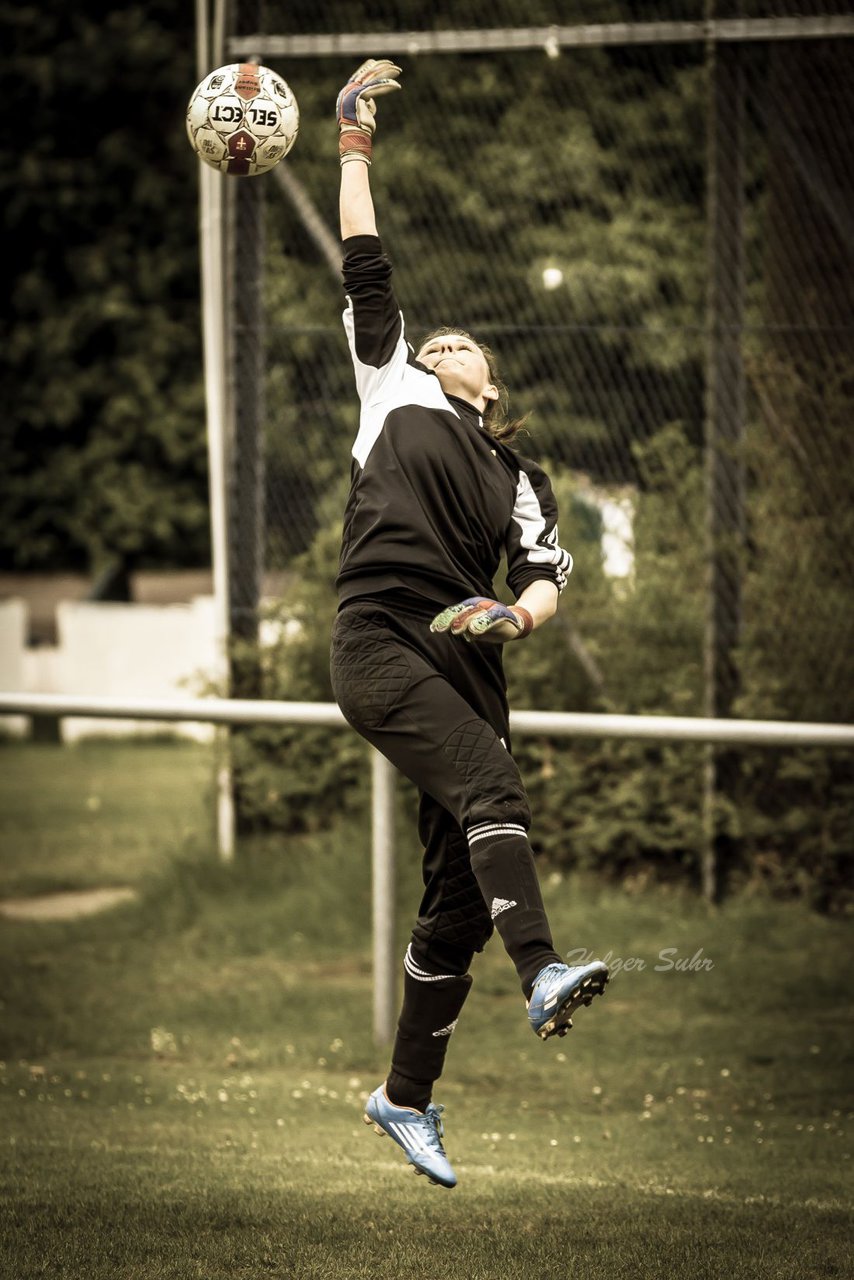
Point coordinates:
[[437, 496]]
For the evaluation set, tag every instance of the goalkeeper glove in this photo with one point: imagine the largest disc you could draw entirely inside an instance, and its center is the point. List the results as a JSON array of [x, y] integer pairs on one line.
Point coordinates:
[[476, 617], [356, 107]]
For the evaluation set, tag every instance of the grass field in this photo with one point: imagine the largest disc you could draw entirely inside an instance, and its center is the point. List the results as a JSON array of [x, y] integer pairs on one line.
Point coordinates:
[[182, 1078]]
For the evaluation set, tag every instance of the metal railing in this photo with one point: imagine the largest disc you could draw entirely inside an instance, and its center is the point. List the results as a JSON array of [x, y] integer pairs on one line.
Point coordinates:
[[233, 711], [775, 733]]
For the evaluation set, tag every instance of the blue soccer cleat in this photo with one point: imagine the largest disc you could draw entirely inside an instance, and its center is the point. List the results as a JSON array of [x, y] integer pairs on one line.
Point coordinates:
[[558, 991], [419, 1133]]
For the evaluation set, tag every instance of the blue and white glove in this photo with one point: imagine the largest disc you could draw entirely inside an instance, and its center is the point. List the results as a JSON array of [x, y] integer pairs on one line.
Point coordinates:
[[475, 618]]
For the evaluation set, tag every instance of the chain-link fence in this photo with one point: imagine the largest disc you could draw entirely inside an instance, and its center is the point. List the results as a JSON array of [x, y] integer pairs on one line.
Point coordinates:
[[557, 202], [649, 219]]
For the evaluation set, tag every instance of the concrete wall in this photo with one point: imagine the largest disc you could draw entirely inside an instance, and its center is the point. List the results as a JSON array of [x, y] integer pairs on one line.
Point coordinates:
[[112, 650], [13, 639]]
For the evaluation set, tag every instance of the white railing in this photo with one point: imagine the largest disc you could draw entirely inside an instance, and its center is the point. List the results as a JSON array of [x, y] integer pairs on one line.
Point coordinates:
[[574, 724], [233, 711]]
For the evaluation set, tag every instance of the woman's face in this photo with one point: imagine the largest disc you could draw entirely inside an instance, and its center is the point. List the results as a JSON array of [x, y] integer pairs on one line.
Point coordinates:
[[461, 368]]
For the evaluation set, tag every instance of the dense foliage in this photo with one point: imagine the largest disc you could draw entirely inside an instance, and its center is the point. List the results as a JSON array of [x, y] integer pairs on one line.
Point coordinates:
[[102, 431], [626, 809]]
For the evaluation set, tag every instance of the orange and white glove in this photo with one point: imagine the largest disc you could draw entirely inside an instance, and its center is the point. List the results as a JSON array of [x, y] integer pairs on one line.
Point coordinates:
[[356, 107], [478, 618]]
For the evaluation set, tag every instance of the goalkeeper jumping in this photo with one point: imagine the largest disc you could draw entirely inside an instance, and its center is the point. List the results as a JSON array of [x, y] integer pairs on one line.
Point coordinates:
[[437, 495]]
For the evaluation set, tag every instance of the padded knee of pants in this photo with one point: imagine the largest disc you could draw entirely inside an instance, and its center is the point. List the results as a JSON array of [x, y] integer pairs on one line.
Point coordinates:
[[453, 917], [494, 788]]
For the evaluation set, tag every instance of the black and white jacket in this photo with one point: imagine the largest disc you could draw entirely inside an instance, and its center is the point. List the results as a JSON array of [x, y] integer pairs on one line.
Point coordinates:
[[434, 500]]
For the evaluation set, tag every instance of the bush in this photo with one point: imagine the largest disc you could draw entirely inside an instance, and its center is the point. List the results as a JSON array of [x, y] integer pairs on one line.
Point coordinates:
[[295, 778], [621, 807]]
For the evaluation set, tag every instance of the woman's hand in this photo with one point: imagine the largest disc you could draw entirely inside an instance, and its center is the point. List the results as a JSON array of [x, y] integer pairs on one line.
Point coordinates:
[[479, 618], [356, 108]]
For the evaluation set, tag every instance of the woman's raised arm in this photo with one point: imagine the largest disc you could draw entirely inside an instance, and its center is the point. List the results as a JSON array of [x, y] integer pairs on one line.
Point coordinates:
[[356, 205], [356, 123]]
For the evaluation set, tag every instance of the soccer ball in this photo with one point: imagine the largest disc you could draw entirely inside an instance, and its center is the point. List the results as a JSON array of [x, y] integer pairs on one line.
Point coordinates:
[[242, 119]]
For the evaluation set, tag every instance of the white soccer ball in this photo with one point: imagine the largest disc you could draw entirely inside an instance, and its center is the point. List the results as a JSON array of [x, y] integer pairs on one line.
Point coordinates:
[[242, 119]]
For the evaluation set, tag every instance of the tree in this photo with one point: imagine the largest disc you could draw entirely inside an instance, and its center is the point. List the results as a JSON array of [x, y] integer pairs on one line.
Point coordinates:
[[103, 439]]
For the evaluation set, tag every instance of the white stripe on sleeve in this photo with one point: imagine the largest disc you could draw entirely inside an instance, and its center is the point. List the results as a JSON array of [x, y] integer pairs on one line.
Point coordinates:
[[539, 546]]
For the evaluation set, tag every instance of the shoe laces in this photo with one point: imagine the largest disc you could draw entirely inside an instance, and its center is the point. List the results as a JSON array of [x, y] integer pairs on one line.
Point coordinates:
[[550, 972], [432, 1117]]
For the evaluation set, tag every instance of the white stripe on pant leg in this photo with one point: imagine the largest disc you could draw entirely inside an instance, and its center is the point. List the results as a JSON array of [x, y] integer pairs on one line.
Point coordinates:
[[494, 832], [480, 828], [492, 822], [421, 975]]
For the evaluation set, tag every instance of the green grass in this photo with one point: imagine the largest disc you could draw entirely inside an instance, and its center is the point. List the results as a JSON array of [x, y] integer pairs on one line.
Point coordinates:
[[98, 813], [182, 1079]]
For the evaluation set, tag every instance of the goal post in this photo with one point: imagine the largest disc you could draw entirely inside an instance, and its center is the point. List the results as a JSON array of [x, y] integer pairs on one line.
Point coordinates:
[[212, 258]]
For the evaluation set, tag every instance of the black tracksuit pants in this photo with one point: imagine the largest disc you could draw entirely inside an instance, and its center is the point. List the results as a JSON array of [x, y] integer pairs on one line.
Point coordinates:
[[436, 707]]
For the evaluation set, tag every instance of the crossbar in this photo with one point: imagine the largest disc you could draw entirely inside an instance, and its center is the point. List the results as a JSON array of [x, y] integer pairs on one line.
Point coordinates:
[[552, 39]]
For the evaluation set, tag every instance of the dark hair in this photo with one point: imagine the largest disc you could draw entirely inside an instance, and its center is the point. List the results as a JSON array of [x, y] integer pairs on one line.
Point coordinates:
[[496, 416]]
